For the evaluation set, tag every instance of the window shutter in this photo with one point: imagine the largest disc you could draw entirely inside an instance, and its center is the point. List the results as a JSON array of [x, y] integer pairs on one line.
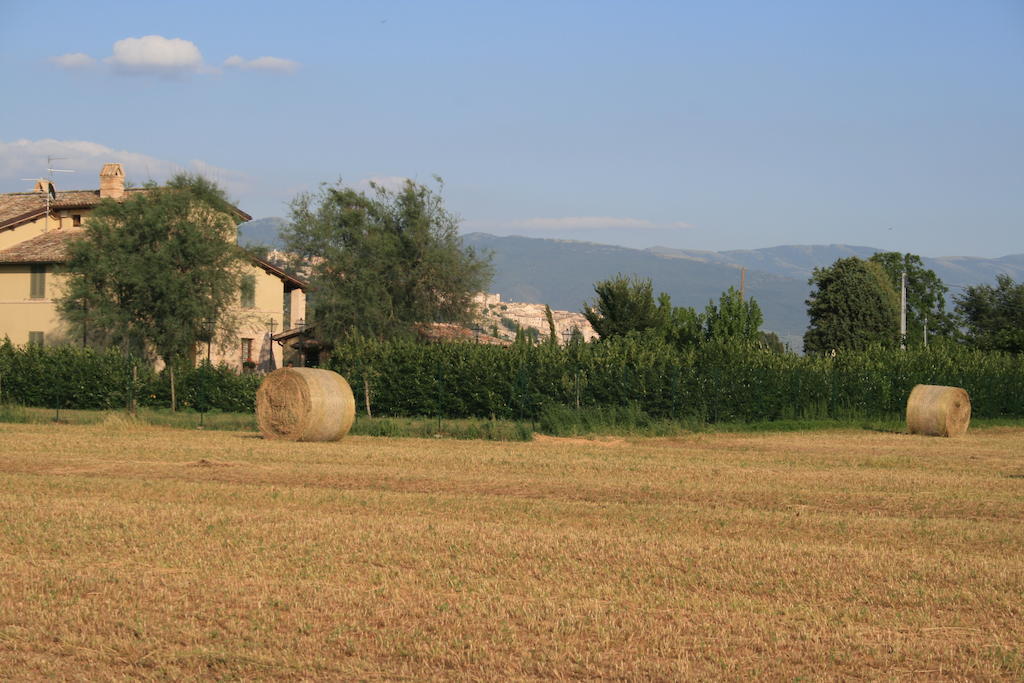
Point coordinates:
[[37, 283]]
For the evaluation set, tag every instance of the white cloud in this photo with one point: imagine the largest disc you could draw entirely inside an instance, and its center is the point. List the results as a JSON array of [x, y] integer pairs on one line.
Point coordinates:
[[156, 55], [262, 64], [73, 60], [167, 57], [27, 159]]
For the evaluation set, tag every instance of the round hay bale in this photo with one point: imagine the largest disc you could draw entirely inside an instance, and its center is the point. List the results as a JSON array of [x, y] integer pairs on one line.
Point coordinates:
[[938, 411], [305, 404]]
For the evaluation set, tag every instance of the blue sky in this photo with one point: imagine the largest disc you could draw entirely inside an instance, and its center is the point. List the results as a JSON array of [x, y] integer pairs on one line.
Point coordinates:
[[704, 125]]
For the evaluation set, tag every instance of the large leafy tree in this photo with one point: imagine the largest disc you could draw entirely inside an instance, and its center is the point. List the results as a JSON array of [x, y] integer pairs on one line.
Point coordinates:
[[853, 306], [683, 326], [625, 304], [733, 318], [151, 269], [994, 316], [926, 296], [382, 262]]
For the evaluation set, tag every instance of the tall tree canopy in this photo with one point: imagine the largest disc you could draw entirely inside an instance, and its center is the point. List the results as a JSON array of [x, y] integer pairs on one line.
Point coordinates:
[[994, 316], [853, 305], [733, 318], [152, 268], [625, 304], [683, 326], [378, 264], [926, 296]]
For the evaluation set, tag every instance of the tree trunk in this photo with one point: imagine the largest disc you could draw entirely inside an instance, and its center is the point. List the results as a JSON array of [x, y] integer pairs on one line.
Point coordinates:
[[133, 402], [174, 397], [366, 396]]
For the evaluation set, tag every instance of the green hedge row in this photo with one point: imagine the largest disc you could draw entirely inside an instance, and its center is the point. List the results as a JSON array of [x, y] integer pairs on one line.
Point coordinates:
[[712, 383], [73, 377]]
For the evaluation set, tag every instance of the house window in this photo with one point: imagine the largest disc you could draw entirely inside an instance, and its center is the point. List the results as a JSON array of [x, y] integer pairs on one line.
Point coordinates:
[[248, 291], [37, 283], [35, 338], [246, 351], [286, 322], [76, 219]]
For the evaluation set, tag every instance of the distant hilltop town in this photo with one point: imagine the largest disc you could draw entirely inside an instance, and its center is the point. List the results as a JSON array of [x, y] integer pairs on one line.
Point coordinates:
[[501, 319], [498, 321]]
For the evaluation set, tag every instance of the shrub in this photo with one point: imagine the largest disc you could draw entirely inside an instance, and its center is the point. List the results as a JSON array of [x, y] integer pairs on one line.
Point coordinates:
[[631, 383], [84, 378]]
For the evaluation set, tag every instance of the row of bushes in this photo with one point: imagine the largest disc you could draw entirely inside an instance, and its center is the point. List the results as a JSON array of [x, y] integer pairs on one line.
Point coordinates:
[[713, 383], [73, 377]]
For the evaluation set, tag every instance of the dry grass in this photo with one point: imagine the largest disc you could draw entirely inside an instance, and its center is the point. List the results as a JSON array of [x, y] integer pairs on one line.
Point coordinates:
[[133, 551]]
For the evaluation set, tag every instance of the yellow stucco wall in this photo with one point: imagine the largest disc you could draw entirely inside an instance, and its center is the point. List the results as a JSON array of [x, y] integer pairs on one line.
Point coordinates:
[[298, 307], [255, 322], [21, 314], [26, 231], [11, 236]]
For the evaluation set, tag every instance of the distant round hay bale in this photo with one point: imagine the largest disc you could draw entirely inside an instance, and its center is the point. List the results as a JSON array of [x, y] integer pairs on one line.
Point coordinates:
[[305, 404], [938, 411]]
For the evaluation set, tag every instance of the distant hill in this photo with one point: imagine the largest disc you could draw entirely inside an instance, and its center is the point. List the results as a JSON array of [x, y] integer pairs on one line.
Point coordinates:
[[562, 273], [789, 261], [262, 231], [798, 261], [959, 271]]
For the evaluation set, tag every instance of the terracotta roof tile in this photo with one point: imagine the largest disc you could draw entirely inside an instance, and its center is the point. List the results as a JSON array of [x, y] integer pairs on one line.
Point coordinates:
[[19, 207], [285, 276], [50, 247]]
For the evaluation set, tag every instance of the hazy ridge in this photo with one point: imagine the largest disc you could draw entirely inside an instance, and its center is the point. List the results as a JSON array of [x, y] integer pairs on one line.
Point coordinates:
[[561, 273]]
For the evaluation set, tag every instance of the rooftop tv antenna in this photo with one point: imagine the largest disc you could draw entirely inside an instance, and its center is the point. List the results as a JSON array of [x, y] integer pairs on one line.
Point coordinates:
[[50, 192]]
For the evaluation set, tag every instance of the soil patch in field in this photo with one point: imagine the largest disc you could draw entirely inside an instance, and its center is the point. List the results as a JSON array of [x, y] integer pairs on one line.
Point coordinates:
[[203, 462]]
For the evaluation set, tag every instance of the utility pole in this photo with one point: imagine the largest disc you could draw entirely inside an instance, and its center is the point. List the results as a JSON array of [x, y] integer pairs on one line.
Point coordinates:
[[926, 332], [743, 281], [209, 327], [903, 310]]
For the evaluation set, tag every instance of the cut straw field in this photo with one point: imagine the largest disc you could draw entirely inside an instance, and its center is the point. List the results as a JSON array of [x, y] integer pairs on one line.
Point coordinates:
[[131, 551]]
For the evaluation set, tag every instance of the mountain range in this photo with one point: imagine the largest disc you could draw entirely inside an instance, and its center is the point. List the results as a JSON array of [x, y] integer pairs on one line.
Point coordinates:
[[562, 273], [262, 231]]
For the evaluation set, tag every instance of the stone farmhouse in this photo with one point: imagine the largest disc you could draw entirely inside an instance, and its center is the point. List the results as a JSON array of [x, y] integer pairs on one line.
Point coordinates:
[[35, 229]]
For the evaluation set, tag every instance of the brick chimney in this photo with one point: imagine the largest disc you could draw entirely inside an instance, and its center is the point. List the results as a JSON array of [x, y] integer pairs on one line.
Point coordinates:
[[45, 186], [112, 181]]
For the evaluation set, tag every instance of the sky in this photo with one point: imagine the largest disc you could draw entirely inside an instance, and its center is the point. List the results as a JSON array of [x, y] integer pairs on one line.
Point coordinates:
[[721, 125]]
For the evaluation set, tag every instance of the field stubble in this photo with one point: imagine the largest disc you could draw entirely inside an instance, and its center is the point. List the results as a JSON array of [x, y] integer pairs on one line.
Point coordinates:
[[150, 552]]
